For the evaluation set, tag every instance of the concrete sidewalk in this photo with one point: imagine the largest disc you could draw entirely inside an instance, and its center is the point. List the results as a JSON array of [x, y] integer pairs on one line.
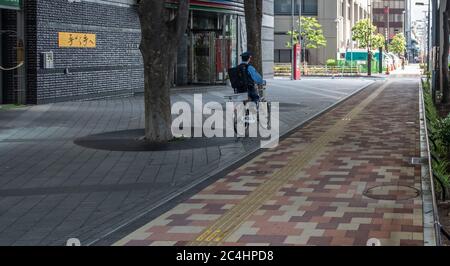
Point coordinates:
[[342, 179], [52, 189]]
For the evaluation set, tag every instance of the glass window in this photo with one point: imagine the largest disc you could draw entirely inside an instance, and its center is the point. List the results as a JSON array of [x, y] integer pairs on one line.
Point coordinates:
[[284, 7], [285, 56], [309, 7]]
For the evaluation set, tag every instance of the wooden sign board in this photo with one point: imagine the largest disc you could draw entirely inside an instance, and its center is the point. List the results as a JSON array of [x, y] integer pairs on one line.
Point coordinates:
[[77, 40]]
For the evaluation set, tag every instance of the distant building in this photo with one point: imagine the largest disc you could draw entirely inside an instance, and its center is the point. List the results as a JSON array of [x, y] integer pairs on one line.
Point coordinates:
[[396, 10], [337, 18]]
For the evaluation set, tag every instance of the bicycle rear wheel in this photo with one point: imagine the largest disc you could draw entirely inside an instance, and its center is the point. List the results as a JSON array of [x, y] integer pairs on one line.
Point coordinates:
[[264, 115], [239, 119]]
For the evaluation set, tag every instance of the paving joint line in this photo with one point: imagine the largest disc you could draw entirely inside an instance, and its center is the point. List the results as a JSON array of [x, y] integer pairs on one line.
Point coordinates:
[[210, 177], [229, 222]]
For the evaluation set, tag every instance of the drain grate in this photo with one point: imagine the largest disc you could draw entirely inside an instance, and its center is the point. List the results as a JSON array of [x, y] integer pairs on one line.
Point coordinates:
[[418, 161], [392, 192]]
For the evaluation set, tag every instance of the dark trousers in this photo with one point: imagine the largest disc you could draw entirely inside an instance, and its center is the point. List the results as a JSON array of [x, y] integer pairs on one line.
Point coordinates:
[[253, 94]]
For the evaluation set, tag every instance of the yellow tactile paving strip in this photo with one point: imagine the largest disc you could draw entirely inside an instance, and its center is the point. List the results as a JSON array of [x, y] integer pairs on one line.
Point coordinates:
[[310, 189], [230, 221]]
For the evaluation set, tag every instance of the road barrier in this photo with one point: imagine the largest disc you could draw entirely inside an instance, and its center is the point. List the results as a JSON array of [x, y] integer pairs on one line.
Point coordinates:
[[284, 70]]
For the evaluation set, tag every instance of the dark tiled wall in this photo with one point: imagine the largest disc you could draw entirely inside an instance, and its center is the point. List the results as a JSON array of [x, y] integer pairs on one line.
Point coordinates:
[[113, 68]]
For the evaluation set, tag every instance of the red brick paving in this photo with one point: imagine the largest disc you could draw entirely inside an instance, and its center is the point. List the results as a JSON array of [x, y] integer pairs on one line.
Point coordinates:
[[324, 204]]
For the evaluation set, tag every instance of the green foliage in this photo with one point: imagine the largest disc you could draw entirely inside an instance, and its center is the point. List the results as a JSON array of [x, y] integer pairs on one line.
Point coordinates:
[[6, 107], [377, 41], [440, 168], [431, 111], [331, 62], [440, 133], [443, 131], [398, 44], [363, 32], [311, 33]]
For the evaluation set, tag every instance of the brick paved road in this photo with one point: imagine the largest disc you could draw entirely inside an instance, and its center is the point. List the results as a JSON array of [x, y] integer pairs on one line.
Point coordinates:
[[340, 180], [52, 189]]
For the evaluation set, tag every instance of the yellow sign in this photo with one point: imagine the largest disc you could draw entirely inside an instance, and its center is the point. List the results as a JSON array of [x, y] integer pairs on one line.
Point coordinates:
[[77, 40]]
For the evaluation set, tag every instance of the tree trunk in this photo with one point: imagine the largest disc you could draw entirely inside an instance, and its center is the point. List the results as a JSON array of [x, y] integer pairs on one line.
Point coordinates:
[[253, 22], [445, 86], [162, 29]]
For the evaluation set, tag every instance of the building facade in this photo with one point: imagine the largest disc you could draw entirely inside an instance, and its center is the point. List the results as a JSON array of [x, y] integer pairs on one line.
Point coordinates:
[[337, 18], [389, 17], [89, 49]]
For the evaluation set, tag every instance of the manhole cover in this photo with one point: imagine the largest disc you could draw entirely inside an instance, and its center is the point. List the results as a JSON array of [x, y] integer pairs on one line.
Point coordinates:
[[392, 192]]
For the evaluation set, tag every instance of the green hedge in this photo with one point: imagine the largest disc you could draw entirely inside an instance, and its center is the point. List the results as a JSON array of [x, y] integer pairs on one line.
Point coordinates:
[[439, 132]]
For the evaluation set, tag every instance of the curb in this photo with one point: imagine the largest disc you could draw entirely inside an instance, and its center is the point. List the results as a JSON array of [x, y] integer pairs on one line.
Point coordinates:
[[431, 226]]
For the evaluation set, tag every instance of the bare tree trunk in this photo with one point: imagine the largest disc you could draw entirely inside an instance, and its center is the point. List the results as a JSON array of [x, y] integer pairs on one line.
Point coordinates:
[[253, 22], [162, 29], [445, 86]]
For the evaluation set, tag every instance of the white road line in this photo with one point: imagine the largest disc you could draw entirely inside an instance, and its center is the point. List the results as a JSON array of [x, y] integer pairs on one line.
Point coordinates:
[[308, 91], [332, 91]]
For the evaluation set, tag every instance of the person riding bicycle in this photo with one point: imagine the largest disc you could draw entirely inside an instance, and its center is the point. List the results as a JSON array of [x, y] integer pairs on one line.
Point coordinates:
[[247, 77], [244, 78]]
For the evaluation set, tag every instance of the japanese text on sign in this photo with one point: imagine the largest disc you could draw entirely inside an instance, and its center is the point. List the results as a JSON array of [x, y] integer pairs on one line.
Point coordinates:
[[77, 40]]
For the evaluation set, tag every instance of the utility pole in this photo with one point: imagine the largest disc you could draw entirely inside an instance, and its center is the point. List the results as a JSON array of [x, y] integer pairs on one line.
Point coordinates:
[[388, 31], [292, 40], [369, 38], [428, 35], [435, 42], [300, 33], [404, 31]]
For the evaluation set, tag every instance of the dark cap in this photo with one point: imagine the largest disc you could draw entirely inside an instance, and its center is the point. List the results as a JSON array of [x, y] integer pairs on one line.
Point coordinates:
[[246, 54]]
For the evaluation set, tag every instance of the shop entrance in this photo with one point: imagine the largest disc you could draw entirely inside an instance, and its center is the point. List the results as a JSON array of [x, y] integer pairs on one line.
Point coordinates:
[[203, 57], [211, 47], [211, 57]]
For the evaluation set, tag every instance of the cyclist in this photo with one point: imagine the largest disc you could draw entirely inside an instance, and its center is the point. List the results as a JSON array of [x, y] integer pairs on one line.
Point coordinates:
[[253, 77], [244, 78]]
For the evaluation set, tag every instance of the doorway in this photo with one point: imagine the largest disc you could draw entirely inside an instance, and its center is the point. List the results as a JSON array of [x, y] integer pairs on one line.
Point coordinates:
[[211, 40], [203, 57]]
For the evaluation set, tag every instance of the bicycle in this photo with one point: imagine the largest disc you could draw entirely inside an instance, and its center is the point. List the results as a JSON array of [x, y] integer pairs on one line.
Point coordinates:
[[248, 118]]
